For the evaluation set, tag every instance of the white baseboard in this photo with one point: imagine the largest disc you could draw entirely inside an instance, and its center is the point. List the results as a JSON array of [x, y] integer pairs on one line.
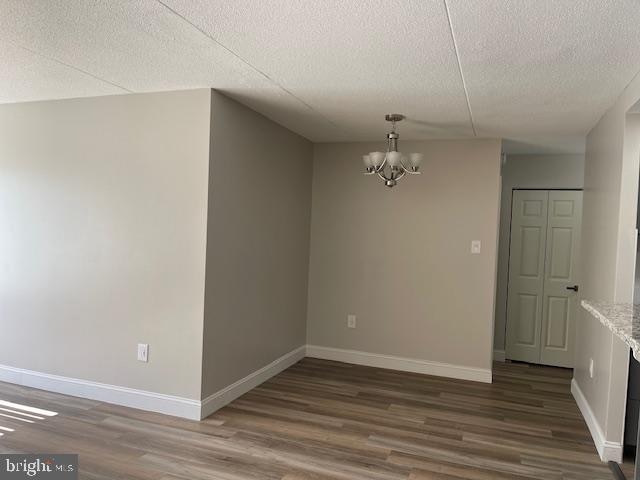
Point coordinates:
[[197, 410], [228, 394], [128, 397], [499, 356], [400, 363], [608, 451]]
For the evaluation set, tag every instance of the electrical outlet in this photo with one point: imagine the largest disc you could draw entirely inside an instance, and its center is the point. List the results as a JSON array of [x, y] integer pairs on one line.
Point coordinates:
[[475, 246], [591, 367], [351, 321], [143, 352]]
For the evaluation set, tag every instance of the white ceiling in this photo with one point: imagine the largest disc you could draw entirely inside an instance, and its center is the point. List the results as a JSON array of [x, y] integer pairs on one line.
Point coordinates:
[[538, 73]]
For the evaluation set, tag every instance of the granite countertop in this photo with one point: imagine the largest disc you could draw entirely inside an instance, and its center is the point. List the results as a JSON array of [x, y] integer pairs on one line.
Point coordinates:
[[623, 319]]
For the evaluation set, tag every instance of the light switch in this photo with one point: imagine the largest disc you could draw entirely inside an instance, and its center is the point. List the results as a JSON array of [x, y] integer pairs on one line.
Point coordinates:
[[143, 352], [475, 246]]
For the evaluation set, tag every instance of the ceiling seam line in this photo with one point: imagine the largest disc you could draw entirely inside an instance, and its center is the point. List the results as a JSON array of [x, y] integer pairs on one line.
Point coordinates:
[[464, 83], [271, 80], [89, 74]]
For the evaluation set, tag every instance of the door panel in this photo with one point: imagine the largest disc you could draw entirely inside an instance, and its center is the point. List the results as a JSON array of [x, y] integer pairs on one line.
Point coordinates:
[[527, 316], [526, 275], [560, 249], [562, 208], [532, 208], [559, 304], [530, 251], [558, 321]]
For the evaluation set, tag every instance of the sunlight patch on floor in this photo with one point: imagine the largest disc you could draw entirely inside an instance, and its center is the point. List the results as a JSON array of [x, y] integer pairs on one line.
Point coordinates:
[[21, 413], [37, 411]]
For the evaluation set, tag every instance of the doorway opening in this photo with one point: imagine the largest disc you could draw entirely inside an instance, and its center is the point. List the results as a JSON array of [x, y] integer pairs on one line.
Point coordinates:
[[548, 172], [543, 282]]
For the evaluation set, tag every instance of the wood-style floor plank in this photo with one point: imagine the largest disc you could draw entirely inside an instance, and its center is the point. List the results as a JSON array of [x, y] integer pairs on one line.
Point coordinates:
[[322, 420]]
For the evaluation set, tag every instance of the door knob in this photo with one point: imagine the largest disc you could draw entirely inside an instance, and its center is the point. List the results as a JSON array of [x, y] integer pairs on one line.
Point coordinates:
[[574, 288]]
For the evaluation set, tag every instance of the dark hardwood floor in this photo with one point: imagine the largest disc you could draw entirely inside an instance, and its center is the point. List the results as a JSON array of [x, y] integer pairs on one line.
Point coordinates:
[[323, 420]]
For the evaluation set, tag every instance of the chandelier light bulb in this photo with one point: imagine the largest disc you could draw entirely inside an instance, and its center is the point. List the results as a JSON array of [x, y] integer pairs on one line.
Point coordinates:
[[394, 159], [415, 159], [376, 158], [366, 159]]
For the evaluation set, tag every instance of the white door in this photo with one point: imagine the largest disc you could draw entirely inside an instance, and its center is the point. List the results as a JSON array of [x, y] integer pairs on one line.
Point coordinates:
[[542, 290], [526, 274], [560, 303]]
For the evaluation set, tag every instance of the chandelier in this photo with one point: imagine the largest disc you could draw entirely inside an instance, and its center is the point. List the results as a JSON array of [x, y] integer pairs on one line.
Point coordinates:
[[392, 165]]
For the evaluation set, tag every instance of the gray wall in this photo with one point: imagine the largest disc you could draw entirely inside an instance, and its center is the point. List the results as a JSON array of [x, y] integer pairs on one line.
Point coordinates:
[[400, 259], [103, 206], [527, 171], [607, 257], [258, 243]]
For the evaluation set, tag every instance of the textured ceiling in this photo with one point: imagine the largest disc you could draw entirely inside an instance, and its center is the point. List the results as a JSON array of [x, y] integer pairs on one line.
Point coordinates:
[[538, 73]]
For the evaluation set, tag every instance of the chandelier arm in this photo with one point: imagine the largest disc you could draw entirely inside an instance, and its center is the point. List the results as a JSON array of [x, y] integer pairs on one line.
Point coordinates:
[[402, 173], [382, 175], [382, 165], [408, 170]]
